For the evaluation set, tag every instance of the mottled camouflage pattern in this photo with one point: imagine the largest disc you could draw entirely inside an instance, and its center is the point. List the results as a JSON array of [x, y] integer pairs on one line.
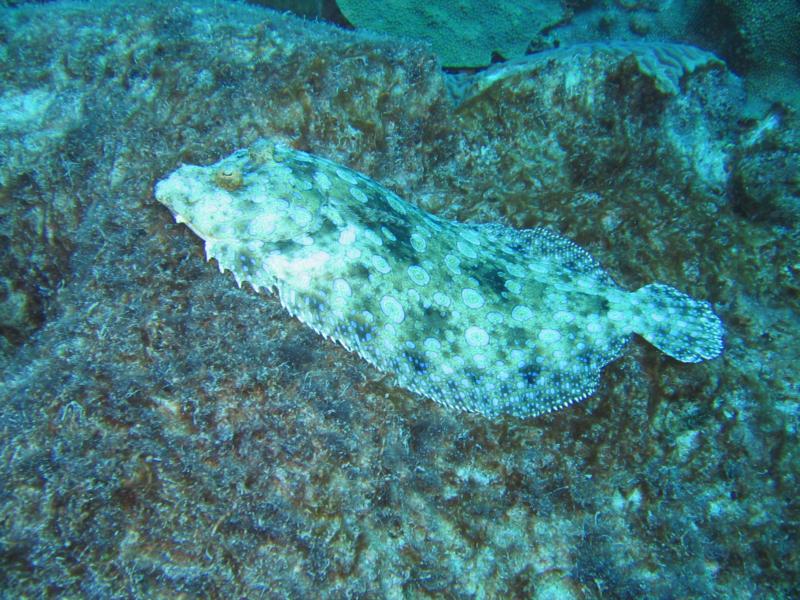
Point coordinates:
[[478, 317]]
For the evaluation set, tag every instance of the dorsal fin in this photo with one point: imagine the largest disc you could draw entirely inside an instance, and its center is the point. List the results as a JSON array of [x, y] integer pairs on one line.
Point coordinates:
[[543, 244]]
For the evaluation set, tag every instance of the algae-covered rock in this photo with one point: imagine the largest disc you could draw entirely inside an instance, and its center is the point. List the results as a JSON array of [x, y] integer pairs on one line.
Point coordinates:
[[578, 111], [766, 174]]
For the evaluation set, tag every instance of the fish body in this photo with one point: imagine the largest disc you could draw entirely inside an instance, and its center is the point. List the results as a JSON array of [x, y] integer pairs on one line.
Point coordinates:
[[478, 317]]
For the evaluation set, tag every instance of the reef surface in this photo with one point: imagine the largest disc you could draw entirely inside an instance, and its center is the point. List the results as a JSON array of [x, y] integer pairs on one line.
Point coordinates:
[[164, 433]]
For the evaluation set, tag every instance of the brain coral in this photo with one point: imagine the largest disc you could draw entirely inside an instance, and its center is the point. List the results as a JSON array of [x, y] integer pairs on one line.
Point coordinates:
[[665, 63], [464, 33], [761, 42]]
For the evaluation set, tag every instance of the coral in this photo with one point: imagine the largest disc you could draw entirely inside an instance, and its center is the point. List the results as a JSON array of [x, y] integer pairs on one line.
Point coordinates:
[[630, 20], [759, 40], [666, 63], [464, 33]]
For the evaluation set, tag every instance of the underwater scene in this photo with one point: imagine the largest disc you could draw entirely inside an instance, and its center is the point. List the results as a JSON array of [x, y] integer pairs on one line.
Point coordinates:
[[401, 299]]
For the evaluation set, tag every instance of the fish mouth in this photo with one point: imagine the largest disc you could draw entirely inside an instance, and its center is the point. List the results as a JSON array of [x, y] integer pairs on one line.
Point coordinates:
[[203, 235]]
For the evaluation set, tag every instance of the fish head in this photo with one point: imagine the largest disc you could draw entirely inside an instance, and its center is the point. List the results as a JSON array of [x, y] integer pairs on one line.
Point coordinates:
[[234, 201]]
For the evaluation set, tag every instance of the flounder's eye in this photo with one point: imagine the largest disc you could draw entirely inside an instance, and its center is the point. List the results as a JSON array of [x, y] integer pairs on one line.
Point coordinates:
[[229, 178]]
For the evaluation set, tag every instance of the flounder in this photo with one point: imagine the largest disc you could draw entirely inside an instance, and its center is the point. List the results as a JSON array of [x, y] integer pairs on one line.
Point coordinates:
[[478, 317]]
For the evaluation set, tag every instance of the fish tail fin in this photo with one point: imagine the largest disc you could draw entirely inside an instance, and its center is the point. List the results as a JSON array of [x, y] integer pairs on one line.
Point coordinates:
[[685, 328]]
